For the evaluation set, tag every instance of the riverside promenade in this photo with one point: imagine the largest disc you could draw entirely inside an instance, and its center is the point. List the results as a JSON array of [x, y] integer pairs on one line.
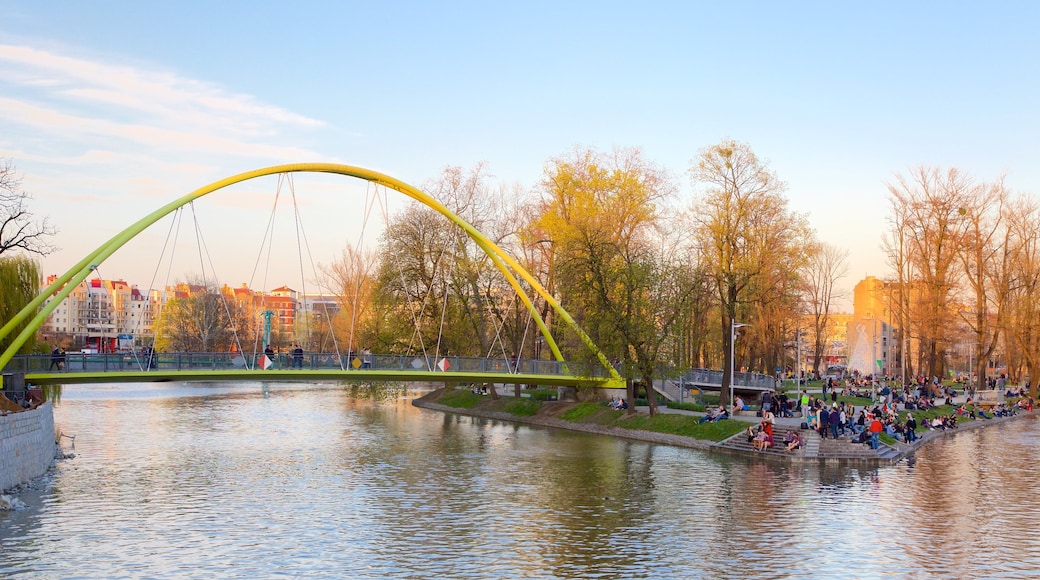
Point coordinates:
[[817, 450]]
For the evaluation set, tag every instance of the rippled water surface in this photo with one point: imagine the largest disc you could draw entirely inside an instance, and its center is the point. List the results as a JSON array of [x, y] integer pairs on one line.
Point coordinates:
[[252, 481]]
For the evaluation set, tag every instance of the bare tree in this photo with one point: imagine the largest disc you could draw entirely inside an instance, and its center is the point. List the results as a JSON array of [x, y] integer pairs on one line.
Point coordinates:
[[1022, 320], [352, 279], [18, 229], [985, 252], [929, 207], [827, 265]]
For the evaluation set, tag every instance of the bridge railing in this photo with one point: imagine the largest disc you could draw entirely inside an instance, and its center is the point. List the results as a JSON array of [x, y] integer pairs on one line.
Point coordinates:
[[181, 361], [709, 377]]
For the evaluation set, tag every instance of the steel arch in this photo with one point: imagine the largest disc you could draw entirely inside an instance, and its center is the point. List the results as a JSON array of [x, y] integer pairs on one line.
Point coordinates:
[[63, 286]]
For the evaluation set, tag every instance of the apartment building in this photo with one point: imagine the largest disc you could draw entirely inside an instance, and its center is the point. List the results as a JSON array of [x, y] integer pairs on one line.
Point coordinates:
[[113, 315]]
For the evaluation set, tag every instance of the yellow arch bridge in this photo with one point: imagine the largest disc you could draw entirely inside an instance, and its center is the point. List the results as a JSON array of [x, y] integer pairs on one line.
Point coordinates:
[[202, 367], [184, 366]]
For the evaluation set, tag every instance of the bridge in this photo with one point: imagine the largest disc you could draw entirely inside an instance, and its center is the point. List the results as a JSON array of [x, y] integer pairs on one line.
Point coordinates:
[[744, 384], [426, 367], [194, 366], [115, 367]]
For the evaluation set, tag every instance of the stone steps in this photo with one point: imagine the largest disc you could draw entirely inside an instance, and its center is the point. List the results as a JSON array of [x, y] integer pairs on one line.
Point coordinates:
[[841, 450], [739, 443]]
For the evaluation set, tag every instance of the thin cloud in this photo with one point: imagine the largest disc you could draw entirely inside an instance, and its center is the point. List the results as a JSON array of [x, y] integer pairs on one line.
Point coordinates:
[[74, 126], [171, 97]]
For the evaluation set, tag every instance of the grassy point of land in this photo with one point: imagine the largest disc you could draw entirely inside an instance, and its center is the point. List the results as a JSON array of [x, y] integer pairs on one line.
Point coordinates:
[[595, 413]]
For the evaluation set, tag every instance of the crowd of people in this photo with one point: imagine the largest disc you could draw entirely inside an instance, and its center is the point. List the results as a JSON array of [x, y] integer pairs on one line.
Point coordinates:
[[891, 414]]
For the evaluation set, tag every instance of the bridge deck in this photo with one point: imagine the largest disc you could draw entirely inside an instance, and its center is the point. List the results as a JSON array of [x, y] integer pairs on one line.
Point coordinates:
[[287, 375]]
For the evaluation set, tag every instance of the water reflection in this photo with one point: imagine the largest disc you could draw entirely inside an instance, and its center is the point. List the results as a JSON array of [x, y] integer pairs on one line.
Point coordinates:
[[260, 480]]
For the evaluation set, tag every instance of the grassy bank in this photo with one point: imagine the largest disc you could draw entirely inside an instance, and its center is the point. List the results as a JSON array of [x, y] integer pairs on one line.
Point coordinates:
[[594, 413]]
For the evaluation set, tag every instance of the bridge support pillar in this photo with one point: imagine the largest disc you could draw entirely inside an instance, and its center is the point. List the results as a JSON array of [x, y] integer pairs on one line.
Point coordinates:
[[566, 394]]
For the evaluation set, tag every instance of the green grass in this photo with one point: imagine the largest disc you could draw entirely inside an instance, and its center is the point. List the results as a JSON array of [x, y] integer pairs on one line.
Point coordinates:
[[684, 425], [597, 413], [857, 401], [671, 423], [581, 411], [522, 407], [460, 399], [686, 406]]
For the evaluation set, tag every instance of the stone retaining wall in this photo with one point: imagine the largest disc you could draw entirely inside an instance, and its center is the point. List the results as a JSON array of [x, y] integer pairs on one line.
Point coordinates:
[[26, 445]]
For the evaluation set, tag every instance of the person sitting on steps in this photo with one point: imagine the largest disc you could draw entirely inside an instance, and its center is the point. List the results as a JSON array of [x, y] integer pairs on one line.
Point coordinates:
[[794, 441]]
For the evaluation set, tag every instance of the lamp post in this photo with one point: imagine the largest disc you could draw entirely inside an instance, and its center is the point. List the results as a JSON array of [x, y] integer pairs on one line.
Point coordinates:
[[732, 356], [798, 362]]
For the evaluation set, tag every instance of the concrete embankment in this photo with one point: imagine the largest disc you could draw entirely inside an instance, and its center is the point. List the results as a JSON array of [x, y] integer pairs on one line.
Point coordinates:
[[27, 445], [841, 451]]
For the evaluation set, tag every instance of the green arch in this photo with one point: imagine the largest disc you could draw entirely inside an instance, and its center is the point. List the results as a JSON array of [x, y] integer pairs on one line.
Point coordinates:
[[62, 287]]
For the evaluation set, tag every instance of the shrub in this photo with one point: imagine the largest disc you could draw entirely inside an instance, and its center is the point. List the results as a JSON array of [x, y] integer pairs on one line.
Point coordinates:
[[542, 394]]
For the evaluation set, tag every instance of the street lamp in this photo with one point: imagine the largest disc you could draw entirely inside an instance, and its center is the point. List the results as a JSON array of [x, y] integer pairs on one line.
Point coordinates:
[[732, 356]]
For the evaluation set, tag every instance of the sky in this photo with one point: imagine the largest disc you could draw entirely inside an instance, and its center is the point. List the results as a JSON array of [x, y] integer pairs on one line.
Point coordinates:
[[110, 110]]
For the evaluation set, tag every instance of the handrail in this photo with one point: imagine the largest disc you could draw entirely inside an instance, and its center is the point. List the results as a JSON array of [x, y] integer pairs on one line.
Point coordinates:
[[73, 362]]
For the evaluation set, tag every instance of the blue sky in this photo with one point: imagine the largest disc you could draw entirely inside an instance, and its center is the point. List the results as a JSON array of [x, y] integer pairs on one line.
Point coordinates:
[[111, 109]]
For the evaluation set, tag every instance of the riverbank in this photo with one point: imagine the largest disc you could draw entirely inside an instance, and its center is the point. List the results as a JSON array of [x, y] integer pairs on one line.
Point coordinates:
[[555, 415], [725, 439]]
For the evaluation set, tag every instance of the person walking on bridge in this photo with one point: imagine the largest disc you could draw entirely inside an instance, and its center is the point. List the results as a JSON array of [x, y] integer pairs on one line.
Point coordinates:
[[57, 359]]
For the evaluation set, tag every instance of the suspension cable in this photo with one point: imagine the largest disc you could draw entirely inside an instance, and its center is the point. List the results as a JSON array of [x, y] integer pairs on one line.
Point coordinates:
[[151, 286], [268, 240], [223, 299], [302, 234]]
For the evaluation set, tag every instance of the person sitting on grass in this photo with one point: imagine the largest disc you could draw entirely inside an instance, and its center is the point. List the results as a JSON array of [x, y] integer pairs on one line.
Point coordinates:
[[711, 415]]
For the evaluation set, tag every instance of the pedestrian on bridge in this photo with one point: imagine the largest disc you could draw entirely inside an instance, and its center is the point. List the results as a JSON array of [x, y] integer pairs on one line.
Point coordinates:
[[297, 357], [57, 358]]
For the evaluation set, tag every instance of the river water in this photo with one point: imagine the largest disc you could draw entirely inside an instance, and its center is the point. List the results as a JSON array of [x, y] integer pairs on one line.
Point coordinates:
[[258, 481]]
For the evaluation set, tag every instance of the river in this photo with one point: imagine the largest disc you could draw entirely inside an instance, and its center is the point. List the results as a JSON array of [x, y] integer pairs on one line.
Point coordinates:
[[237, 480]]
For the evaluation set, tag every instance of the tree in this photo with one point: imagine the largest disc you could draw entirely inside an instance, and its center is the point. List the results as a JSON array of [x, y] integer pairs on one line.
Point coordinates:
[[1023, 302], [929, 208], [827, 265], [18, 229], [600, 216], [985, 253], [352, 279], [202, 321], [749, 241], [19, 285]]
